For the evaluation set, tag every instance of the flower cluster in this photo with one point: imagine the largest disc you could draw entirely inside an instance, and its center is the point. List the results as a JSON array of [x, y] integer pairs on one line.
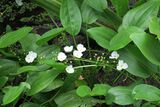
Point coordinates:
[[31, 57], [78, 53], [121, 64]]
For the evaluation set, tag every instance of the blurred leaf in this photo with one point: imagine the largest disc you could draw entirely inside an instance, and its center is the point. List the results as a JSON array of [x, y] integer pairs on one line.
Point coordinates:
[[154, 26], [41, 80], [89, 16], [49, 35], [152, 93], [102, 35], [123, 95], [83, 91], [70, 17], [100, 89], [121, 6], [123, 37], [140, 16], [148, 45], [12, 37], [8, 67], [29, 105], [3, 81], [138, 64], [29, 42], [27, 69], [13, 92]]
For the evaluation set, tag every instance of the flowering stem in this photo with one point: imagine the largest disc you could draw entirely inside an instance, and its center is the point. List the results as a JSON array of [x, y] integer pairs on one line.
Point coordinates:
[[86, 66]]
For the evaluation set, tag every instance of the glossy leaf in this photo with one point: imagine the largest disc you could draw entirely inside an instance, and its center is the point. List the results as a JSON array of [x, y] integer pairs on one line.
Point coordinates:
[[83, 91], [123, 95], [102, 36], [123, 38], [148, 45], [70, 16], [121, 6], [49, 35], [12, 37], [41, 80], [152, 93], [140, 16], [27, 69], [138, 64]]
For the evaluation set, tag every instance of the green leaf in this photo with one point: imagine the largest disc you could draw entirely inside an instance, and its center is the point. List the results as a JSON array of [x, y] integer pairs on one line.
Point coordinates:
[[148, 45], [41, 80], [123, 38], [27, 69], [30, 105], [100, 89], [138, 64], [70, 16], [12, 37], [100, 4], [13, 92], [8, 67], [83, 91], [101, 35], [54, 85], [140, 16], [152, 93], [123, 95], [89, 16], [49, 35], [3, 81], [28, 42], [121, 6], [154, 26]]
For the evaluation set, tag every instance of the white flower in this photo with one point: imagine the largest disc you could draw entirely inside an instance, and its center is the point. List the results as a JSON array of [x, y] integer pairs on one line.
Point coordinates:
[[114, 55], [30, 57], [61, 56], [19, 2], [70, 69], [121, 65], [68, 49], [81, 48], [77, 54]]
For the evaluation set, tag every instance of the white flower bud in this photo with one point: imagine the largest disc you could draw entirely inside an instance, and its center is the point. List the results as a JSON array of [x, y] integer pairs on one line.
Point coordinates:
[[70, 69], [61, 56], [81, 48], [77, 54], [31, 57], [68, 49]]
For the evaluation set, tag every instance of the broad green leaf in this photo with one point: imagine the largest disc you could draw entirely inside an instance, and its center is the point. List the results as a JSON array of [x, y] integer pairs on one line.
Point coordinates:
[[89, 15], [148, 105], [148, 45], [138, 64], [102, 36], [54, 85], [12, 37], [83, 91], [13, 92], [123, 95], [99, 5], [8, 67], [146, 92], [28, 42], [100, 89], [121, 39], [41, 80], [48, 52], [140, 16], [121, 6], [49, 35], [154, 26], [29, 104], [70, 16], [27, 69], [3, 81]]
